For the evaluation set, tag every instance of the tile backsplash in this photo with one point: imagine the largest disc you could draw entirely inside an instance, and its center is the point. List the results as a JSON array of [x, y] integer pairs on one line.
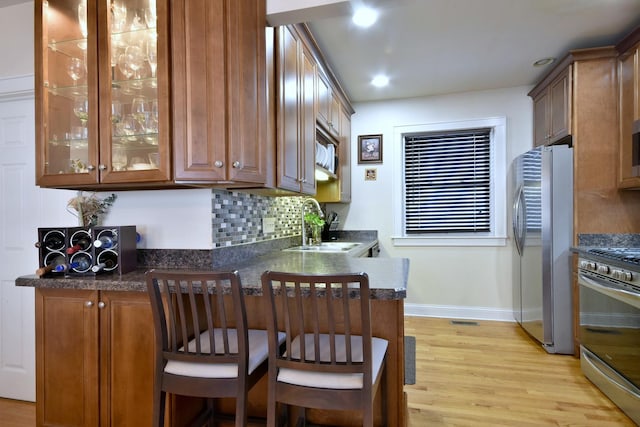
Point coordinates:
[[236, 217]]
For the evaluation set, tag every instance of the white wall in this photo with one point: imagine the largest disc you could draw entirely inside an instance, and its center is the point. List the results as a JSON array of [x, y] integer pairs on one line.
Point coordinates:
[[166, 219], [446, 281]]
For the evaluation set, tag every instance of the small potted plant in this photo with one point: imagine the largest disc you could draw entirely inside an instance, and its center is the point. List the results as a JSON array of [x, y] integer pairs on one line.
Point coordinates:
[[316, 223]]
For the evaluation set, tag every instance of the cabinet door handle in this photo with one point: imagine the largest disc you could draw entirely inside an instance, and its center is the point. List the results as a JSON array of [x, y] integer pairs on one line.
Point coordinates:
[[91, 168], [101, 304], [88, 304], [236, 164], [102, 167], [218, 164]]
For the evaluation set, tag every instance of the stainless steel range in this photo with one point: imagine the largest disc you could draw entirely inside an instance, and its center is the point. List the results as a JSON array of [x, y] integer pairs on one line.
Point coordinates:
[[609, 282]]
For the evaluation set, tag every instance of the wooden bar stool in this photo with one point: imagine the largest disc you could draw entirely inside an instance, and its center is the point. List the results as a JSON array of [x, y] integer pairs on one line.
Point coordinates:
[[331, 361], [203, 346]]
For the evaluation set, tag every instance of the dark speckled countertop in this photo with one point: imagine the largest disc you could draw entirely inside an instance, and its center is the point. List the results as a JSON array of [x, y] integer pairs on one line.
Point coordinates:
[[387, 276]]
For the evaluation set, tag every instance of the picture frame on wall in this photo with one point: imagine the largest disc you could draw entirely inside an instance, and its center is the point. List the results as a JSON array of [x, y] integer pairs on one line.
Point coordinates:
[[369, 149]]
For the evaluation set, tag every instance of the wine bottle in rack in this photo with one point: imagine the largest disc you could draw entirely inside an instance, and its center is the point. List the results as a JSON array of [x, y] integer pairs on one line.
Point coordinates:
[[82, 262], [106, 261], [80, 241], [107, 239], [52, 261], [63, 268]]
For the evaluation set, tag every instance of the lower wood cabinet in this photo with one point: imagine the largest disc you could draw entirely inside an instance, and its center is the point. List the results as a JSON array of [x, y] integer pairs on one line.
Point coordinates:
[[94, 358]]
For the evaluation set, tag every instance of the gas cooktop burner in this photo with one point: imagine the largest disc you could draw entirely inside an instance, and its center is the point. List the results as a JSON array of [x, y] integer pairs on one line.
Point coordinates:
[[630, 255]]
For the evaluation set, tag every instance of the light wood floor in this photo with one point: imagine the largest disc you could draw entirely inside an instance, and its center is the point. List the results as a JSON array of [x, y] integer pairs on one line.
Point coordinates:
[[492, 375]]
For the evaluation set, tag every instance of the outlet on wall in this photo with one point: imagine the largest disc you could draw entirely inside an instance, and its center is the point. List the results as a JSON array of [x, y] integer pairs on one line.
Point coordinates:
[[268, 225]]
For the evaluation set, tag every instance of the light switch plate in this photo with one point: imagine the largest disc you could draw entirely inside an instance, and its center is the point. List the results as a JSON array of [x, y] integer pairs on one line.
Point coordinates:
[[268, 225]]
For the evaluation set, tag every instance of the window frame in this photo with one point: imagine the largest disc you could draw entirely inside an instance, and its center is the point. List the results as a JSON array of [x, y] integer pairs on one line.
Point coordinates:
[[498, 235]]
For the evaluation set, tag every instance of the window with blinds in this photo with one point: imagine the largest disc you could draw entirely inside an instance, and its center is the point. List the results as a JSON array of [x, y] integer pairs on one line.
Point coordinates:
[[447, 177]]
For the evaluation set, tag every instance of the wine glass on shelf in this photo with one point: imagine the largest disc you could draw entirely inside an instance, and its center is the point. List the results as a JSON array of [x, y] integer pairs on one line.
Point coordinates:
[[118, 17], [75, 70], [152, 53], [82, 18], [139, 110], [150, 14], [81, 109], [119, 158], [116, 111]]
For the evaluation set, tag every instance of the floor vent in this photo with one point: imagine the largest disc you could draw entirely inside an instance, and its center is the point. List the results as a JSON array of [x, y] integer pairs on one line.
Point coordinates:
[[464, 322]]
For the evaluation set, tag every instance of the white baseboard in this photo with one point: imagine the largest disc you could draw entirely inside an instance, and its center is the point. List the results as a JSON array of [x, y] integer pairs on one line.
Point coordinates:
[[457, 312]]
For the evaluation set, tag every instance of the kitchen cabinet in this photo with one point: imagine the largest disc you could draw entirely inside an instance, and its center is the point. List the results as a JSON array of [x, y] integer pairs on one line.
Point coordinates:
[[102, 93], [338, 190], [219, 90], [110, 114], [328, 105], [629, 83], [295, 112], [552, 109], [94, 358]]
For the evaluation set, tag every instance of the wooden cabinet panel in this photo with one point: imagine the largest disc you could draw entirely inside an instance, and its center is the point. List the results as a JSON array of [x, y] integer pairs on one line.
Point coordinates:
[[94, 358], [296, 88], [552, 110], [328, 106], [66, 358], [219, 85]]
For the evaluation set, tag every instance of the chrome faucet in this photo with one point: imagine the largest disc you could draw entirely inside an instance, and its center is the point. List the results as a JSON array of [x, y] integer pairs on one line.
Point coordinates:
[[315, 203]]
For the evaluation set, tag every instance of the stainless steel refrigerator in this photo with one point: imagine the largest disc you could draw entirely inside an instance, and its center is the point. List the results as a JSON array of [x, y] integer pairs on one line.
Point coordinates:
[[542, 220]]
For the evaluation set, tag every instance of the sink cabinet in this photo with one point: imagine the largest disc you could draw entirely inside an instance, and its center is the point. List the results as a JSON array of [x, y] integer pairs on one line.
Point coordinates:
[[94, 358], [102, 93]]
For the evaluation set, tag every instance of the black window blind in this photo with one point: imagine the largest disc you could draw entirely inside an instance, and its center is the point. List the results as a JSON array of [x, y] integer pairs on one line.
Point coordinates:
[[448, 182]]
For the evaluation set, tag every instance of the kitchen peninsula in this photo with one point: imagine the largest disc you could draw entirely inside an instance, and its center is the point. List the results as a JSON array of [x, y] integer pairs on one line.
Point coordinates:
[[94, 339]]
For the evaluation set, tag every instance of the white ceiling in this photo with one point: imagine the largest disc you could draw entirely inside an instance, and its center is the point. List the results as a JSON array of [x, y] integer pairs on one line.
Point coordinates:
[[431, 47]]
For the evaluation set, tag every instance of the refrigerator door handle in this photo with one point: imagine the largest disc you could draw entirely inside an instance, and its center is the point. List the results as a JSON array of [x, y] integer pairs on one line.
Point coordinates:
[[517, 223]]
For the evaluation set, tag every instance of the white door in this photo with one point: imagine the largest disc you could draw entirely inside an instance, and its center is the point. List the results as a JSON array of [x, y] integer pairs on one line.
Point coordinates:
[[23, 208]]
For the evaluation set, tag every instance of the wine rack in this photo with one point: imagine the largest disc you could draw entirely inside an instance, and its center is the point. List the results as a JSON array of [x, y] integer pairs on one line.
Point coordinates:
[[86, 251]]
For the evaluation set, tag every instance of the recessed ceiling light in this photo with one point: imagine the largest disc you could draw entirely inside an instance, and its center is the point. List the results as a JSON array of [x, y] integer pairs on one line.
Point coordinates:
[[364, 17], [543, 61], [380, 80]]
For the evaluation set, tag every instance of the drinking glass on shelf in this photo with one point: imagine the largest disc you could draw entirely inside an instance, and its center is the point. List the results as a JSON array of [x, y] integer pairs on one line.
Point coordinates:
[[116, 111], [123, 66], [139, 110], [118, 17], [81, 109], [150, 14], [152, 53], [82, 18], [119, 158], [75, 69]]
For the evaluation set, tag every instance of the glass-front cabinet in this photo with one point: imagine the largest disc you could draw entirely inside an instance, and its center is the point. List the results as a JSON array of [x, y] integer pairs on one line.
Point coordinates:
[[102, 93]]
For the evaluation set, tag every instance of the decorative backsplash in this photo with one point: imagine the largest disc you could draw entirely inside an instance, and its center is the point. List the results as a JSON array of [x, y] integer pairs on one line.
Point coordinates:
[[236, 217]]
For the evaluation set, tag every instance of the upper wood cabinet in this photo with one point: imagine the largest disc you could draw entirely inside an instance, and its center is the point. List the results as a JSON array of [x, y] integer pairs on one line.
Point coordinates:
[[339, 190], [102, 93], [94, 358], [552, 109], [328, 105], [629, 94], [295, 112], [219, 84], [150, 93]]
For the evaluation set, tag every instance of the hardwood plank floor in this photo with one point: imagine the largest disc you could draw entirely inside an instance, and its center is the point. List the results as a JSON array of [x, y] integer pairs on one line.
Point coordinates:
[[492, 374]]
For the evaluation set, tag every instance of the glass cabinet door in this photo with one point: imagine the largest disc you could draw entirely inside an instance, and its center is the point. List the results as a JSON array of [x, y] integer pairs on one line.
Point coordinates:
[[134, 65], [66, 84], [102, 92]]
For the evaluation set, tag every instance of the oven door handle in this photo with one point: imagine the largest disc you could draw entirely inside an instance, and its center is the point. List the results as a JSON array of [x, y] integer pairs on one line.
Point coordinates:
[[614, 292], [603, 369]]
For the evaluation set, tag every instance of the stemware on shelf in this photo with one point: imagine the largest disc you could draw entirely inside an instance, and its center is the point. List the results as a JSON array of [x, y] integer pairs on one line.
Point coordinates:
[[139, 110], [76, 70], [152, 53], [81, 109]]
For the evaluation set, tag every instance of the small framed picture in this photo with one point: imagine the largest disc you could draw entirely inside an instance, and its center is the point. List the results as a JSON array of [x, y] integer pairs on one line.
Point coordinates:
[[370, 149]]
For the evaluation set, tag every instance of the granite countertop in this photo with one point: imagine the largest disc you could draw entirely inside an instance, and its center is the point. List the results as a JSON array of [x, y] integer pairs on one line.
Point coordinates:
[[387, 276]]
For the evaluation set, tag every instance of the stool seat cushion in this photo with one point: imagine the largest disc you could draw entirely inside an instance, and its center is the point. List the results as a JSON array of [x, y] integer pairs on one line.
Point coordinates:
[[333, 380], [258, 353]]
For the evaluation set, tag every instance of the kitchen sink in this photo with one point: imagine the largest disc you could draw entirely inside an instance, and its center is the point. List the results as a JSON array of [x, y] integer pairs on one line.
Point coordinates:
[[325, 247]]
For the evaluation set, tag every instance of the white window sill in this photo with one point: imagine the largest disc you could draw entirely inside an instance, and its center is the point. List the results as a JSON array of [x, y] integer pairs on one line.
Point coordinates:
[[405, 241]]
